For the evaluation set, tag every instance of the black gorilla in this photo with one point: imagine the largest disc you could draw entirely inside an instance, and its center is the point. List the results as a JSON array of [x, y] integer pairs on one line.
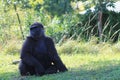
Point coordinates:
[[39, 55]]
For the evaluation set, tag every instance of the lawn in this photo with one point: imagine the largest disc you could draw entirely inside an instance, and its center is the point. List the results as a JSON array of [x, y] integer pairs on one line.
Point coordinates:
[[80, 67]]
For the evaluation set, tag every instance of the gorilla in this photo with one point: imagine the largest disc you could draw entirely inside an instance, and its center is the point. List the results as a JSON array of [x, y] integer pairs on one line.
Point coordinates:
[[39, 55]]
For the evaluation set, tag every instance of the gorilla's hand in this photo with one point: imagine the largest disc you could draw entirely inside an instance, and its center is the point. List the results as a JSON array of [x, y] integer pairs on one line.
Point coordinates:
[[39, 70]]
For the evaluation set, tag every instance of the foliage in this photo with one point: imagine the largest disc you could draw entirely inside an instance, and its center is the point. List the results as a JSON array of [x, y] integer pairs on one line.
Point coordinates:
[[60, 23], [91, 47], [57, 7], [110, 23]]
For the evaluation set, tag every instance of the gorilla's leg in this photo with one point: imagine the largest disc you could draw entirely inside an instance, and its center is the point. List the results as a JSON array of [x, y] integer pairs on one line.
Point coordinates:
[[51, 70], [23, 69], [26, 70]]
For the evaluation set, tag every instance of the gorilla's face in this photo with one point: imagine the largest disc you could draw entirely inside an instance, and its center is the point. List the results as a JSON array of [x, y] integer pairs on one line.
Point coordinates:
[[36, 32]]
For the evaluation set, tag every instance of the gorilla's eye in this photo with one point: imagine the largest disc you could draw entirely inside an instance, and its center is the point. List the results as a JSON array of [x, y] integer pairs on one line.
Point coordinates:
[[34, 28]]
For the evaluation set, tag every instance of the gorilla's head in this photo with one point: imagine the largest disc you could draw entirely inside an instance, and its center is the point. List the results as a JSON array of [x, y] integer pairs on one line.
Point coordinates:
[[36, 30]]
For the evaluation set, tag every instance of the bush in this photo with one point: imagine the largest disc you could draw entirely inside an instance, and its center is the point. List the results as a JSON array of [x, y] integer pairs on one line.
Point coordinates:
[[110, 25], [75, 47], [90, 47], [68, 47], [116, 47]]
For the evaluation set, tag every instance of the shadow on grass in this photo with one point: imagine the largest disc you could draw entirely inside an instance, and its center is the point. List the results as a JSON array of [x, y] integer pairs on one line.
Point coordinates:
[[106, 73], [8, 75], [107, 70]]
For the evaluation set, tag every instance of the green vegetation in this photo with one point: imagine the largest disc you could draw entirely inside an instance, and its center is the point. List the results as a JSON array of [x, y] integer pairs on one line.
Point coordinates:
[[86, 61], [60, 18], [76, 36]]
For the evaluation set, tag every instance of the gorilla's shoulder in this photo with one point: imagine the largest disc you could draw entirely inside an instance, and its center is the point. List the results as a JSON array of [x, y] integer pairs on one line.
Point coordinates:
[[29, 40], [48, 39]]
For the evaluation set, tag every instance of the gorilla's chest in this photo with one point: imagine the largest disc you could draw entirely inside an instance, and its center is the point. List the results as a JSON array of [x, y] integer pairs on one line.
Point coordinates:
[[40, 48]]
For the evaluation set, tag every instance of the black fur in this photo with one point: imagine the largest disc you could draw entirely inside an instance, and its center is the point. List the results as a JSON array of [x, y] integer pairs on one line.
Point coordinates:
[[39, 55]]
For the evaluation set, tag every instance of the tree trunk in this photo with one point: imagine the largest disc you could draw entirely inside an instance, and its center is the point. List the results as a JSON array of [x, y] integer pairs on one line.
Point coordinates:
[[100, 24], [15, 8]]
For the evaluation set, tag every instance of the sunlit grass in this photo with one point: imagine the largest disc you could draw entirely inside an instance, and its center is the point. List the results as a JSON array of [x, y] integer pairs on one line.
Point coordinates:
[[7, 69], [80, 66], [101, 65]]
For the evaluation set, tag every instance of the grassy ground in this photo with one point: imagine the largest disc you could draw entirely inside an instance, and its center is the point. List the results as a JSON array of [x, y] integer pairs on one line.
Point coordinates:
[[80, 66]]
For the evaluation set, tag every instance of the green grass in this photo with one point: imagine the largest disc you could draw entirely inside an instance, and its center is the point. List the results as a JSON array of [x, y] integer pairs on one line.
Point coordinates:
[[84, 60], [80, 67]]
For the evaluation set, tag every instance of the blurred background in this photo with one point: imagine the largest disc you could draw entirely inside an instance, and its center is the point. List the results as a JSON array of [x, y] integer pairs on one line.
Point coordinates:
[[86, 34]]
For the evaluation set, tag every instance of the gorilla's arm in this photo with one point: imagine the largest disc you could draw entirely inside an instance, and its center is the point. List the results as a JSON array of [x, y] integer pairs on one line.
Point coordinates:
[[54, 56], [26, 54]]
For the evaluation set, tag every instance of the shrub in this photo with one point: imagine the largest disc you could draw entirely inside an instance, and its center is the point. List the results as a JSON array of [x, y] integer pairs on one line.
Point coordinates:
[[75, 47]]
